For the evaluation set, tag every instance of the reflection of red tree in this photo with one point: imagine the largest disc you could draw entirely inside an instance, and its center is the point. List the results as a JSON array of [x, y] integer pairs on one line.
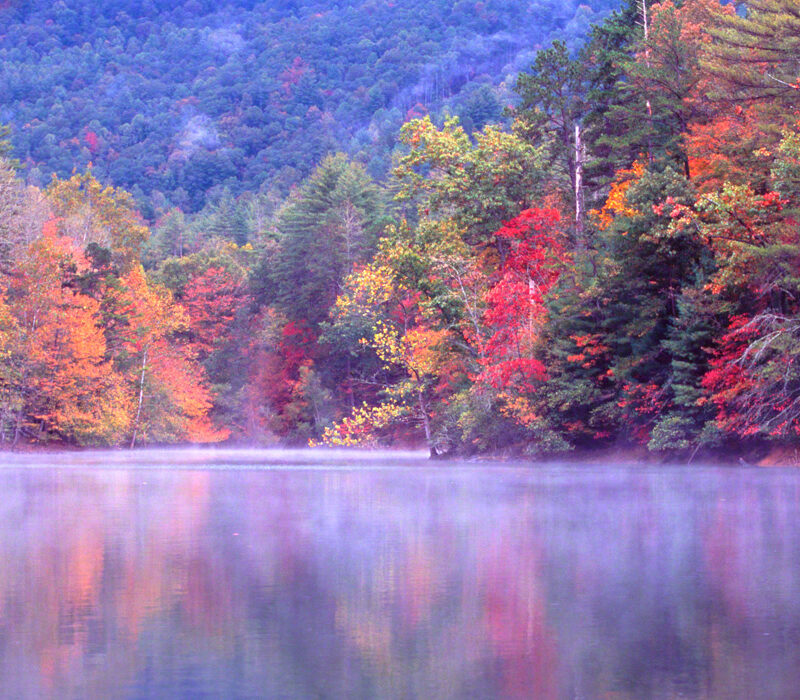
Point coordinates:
[[723, 558], [749, 540], [273, 516], [516, 623], [420, 585]]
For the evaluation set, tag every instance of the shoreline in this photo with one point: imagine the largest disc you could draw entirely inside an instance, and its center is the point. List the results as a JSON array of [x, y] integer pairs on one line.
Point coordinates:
[[782, 457]]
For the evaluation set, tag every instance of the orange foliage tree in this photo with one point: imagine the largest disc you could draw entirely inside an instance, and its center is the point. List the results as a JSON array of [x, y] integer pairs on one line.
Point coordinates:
[[171, 399], [57, 379]]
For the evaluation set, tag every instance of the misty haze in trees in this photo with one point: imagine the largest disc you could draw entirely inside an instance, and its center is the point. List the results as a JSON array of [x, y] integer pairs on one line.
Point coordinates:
[[179, 100]]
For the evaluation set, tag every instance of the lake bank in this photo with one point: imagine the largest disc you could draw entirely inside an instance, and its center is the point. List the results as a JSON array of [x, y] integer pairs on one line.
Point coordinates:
[[189, 454]]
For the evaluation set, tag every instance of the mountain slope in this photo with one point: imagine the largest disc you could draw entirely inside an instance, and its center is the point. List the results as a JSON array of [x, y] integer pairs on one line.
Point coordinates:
[[174, 99]]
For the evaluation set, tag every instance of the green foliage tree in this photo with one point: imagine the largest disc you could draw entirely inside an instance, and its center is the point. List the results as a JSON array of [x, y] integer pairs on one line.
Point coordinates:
[[754, 55], [552, 105], [6, 148], [330, 225], [478, 183]]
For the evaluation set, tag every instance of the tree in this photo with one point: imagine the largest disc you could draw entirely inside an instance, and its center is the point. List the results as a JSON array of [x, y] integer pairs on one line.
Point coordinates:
[[606, 125], [225, 219], [6, 148], [478, 184], [667, 73], [23, 213], [607, 344], [106, 216], [515, 309], [553, 103], [58, 379], [283, 393], [330, 225], [212, 301], [754, 57], [12, 202], [403, 340], [752, 380], [171, 399], [171, 237]]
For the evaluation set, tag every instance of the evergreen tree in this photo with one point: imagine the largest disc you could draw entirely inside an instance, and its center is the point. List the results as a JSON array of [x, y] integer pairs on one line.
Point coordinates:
[[171, 237], [688, 420], [650, 263], [603, 58], [576, 403], [666, 74], [225, 219], [756, 57], [5, 142], [608, 344], [330, 225], [552, 106]]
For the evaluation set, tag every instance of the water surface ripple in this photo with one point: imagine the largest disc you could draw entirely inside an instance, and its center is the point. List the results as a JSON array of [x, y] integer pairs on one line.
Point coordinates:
[[273, 574]]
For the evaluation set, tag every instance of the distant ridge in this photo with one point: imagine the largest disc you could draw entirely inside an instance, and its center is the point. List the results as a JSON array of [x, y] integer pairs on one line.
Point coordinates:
[[175, 100]]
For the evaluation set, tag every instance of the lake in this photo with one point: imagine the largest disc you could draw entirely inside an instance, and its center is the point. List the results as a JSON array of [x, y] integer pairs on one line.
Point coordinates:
[[270, 574]]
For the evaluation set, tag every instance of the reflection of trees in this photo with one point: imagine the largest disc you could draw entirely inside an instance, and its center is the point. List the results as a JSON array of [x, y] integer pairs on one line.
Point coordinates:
[[752, 553], [622, 580], [425, 583]]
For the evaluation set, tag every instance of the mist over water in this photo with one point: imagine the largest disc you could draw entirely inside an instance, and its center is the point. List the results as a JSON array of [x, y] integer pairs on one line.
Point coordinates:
[[251, 573], [217, 458]]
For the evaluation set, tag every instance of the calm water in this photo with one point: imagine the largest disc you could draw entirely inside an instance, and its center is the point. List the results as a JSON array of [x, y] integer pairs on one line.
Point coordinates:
[[277, 575]]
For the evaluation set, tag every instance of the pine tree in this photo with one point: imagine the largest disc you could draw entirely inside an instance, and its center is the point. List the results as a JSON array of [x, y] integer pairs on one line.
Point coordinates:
[[688, 421], [756, 57], [226, 219], [330, 225], [5, 143], [607, 342], [553, 104], [576, 404], [603, 58]]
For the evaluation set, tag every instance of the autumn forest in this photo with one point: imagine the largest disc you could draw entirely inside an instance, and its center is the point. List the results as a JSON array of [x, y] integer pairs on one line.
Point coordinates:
[[602, 250]]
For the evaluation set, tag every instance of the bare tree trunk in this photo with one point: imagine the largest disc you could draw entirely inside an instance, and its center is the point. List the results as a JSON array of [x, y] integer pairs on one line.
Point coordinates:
[[579, 157], [350, 386], [141, 399], [17, 428], [426, 424], [646, 25], [645, 22]]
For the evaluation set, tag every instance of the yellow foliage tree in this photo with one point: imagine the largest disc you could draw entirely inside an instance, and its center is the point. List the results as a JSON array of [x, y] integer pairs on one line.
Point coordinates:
[[402, 339], [106, 216]]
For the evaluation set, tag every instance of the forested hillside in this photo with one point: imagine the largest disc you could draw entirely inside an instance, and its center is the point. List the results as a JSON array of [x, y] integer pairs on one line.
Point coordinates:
[[615, 264], [176, 100]]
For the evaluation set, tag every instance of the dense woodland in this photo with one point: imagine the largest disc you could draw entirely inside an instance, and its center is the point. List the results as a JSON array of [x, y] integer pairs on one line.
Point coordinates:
[[183, 101], [614, 261]]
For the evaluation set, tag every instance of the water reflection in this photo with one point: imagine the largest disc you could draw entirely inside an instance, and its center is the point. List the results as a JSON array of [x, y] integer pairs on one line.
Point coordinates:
[[405, 581]]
